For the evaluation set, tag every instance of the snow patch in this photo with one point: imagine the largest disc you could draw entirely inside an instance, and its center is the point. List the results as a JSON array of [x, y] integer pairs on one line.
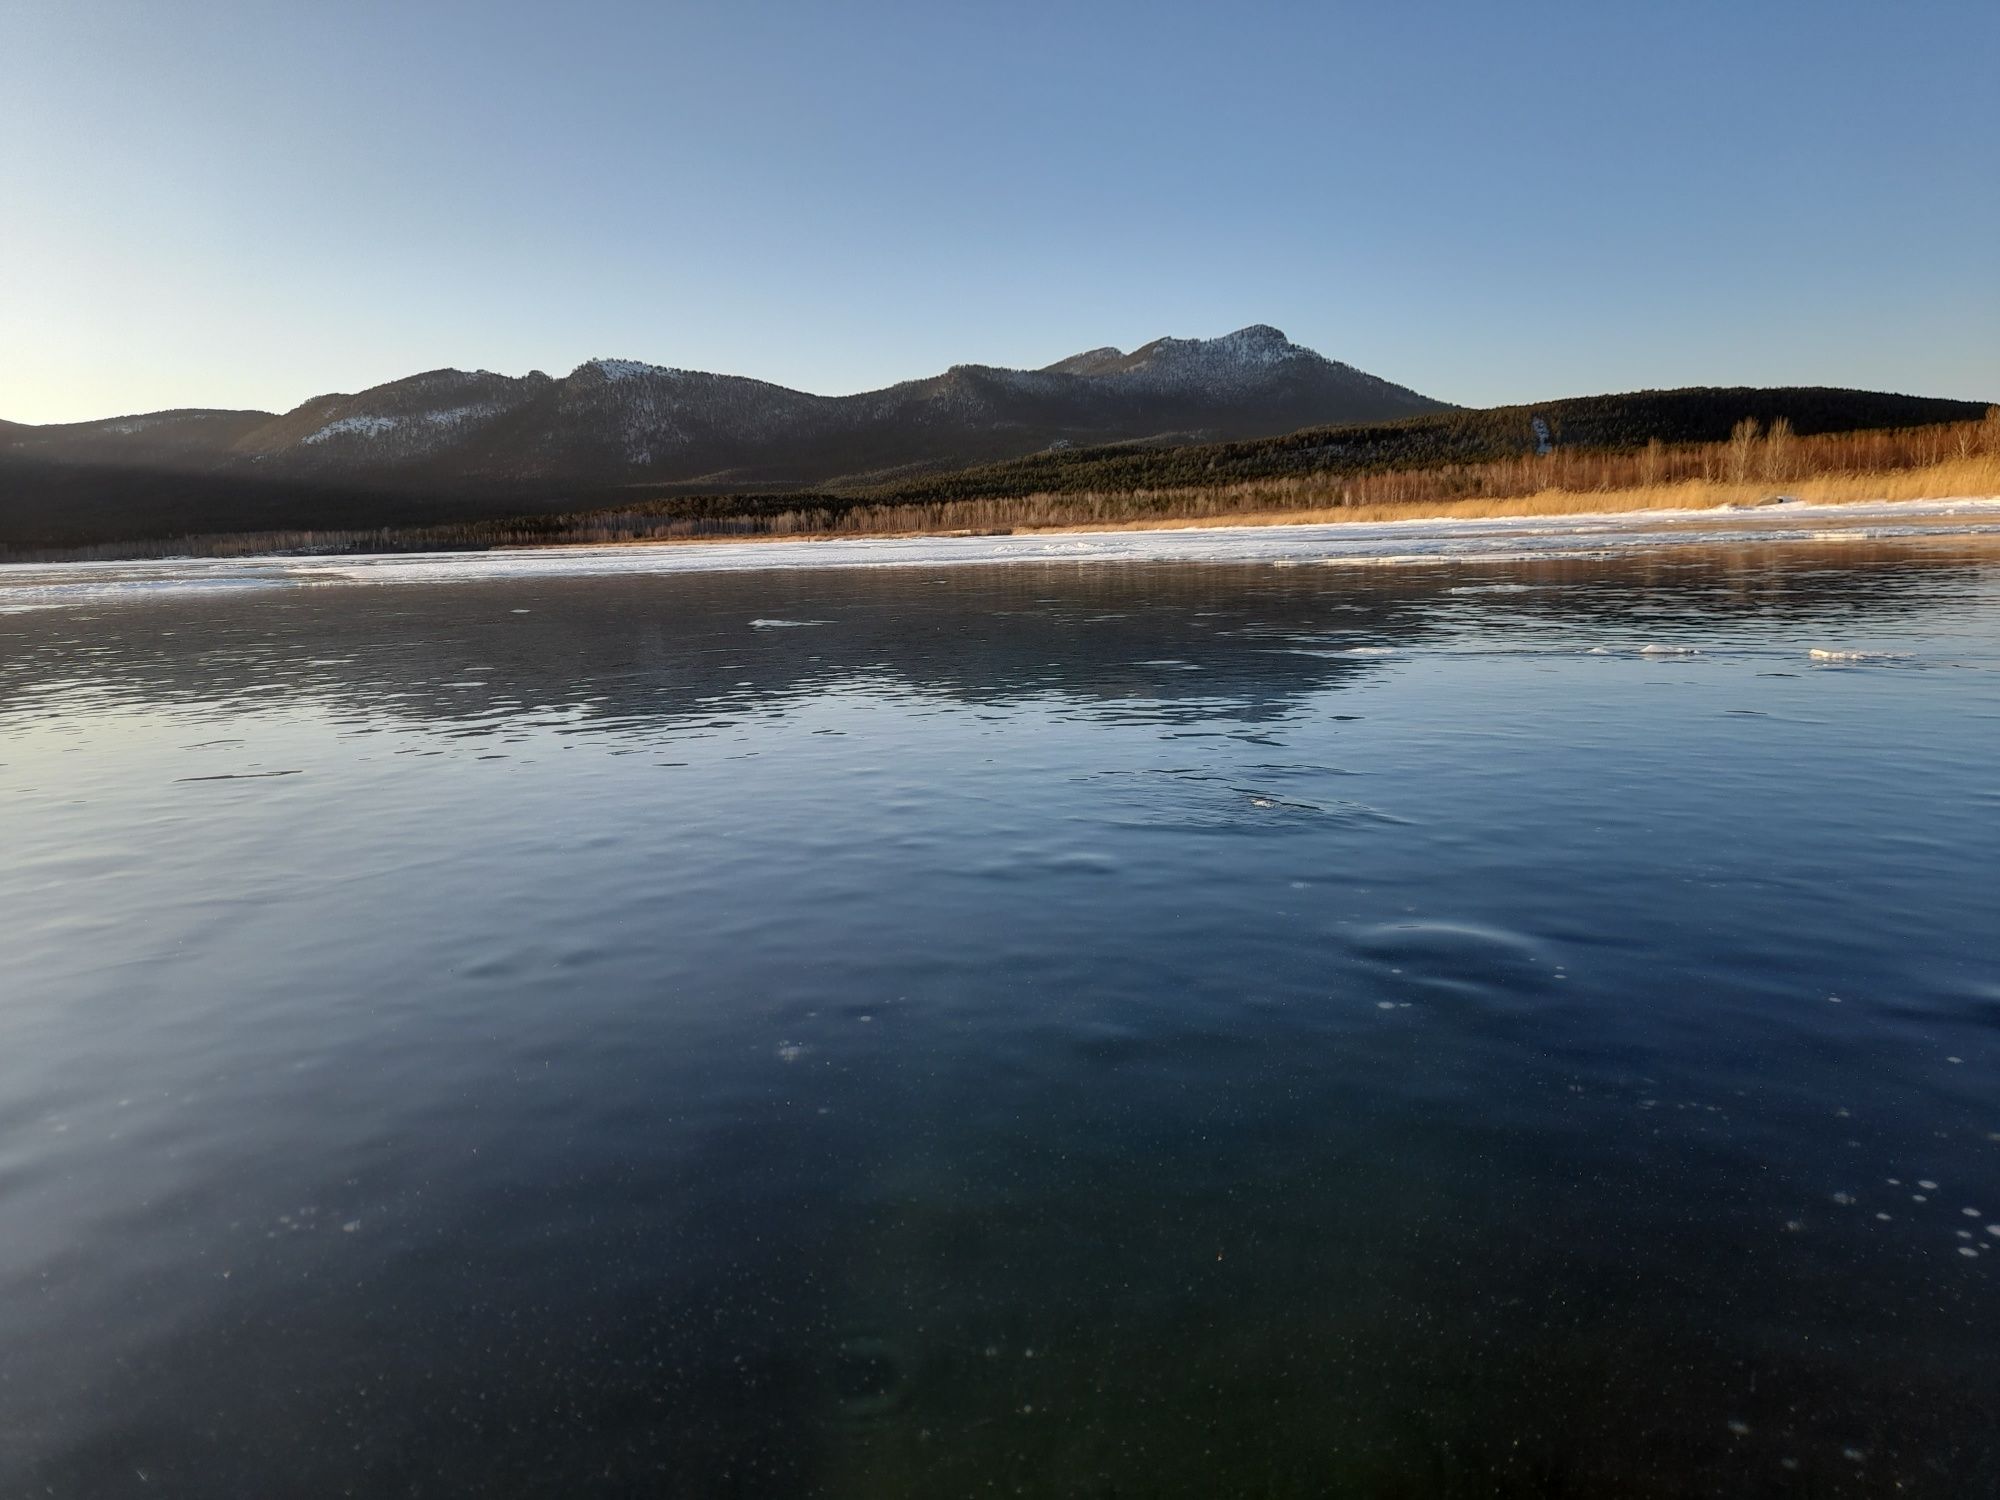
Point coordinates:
[[625, 369], [416, 431], [453, 416], [371, 427]]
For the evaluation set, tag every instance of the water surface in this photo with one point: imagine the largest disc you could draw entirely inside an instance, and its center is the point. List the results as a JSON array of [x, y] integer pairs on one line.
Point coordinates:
[[1135, 1029]]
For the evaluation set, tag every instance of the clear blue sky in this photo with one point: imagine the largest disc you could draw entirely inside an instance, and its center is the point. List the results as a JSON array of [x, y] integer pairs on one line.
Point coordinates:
[[247, 204]]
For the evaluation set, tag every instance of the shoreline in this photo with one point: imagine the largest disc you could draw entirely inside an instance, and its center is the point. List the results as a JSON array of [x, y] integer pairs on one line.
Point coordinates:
[[1773, 513], [1950, 467], [1581, 536]]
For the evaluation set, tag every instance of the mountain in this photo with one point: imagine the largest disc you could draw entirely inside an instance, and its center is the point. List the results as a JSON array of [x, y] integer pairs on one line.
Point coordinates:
[[451, 442]]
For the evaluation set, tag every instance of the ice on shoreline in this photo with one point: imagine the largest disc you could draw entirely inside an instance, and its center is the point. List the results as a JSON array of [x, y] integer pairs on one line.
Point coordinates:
[[1338, 544]]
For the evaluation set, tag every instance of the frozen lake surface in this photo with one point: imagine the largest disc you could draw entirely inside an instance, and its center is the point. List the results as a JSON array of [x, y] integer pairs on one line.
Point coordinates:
[[1143, 1021]]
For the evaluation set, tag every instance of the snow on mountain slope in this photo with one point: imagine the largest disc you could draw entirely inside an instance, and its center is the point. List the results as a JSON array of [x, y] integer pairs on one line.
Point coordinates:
[[1259, 355], [616, 420], [624, 369]]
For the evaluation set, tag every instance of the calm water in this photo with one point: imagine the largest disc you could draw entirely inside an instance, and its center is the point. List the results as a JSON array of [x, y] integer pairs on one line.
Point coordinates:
[[1136, 1030]]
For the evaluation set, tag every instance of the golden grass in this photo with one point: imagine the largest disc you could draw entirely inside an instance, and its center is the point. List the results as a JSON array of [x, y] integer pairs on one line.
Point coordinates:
[[1953, 479], [1876, 464], [1956, 478]]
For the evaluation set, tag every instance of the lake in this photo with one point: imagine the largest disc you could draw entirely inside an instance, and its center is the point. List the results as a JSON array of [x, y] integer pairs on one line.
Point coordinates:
[[1164, 1028]]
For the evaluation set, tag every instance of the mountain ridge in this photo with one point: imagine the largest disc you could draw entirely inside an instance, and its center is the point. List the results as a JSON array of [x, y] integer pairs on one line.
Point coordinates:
[[663, 422]]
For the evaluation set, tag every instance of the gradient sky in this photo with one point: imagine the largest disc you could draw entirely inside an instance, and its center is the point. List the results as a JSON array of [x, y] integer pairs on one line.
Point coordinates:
[[206, 204]]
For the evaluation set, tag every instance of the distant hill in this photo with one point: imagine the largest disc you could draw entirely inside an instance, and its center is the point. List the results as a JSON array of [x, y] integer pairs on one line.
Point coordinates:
[[1700, 414], [451, 443]]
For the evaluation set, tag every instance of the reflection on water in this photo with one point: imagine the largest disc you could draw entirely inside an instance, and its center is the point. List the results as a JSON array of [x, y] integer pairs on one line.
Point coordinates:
[[1150, 1030]]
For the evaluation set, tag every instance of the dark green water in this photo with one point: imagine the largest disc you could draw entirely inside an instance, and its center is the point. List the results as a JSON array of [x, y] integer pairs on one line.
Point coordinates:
[[1176, 1030]]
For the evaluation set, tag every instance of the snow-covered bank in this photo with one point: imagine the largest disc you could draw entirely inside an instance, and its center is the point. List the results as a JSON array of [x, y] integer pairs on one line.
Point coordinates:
[[1382, 543]]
